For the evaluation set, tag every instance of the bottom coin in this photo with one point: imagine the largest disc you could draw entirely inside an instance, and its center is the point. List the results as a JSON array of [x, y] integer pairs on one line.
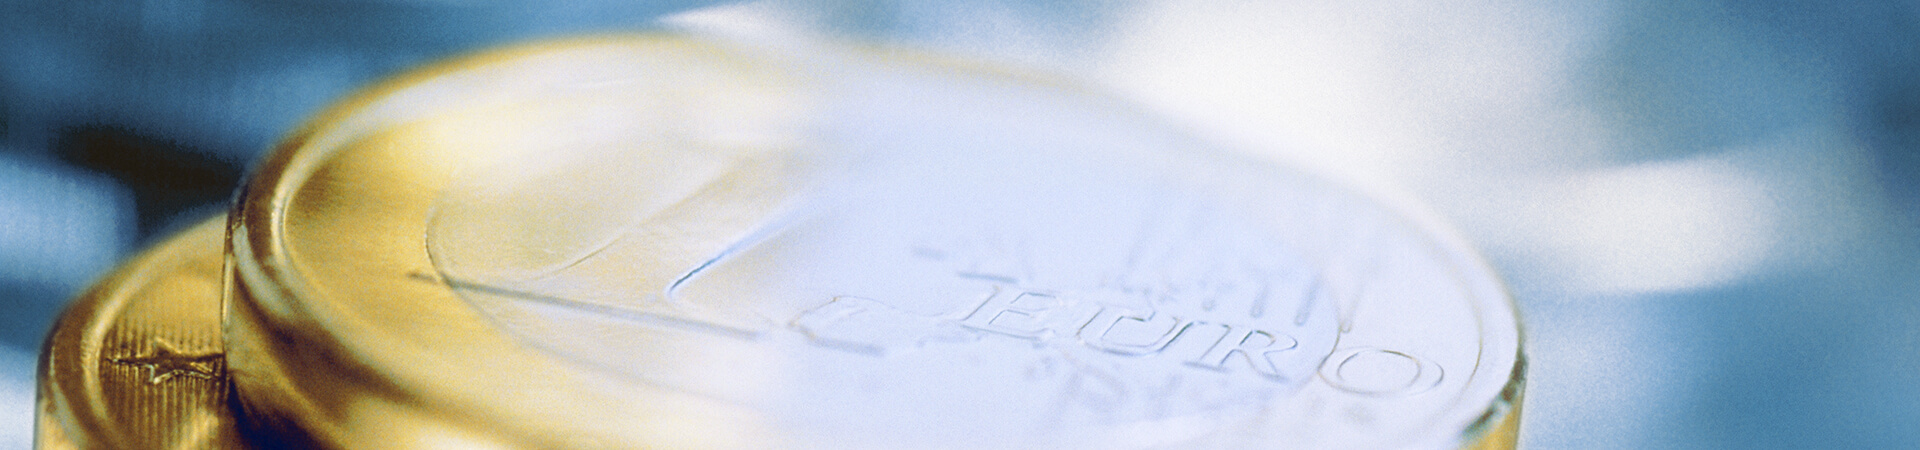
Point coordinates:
[[138, 361]]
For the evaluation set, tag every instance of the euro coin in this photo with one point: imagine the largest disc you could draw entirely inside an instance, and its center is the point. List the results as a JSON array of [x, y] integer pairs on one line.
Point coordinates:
[[684, 242], [138, 361]]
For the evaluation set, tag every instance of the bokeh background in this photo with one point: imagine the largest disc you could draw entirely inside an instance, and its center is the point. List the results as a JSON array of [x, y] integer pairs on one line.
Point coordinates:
[[1708, 210]]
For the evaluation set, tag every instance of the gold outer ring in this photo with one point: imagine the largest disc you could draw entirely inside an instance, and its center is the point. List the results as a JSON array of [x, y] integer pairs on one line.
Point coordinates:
[[382, 358]]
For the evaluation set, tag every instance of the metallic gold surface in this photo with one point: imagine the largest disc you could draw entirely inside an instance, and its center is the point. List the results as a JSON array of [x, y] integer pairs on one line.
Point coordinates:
[[138, 361], [661, 241], [389, 357]]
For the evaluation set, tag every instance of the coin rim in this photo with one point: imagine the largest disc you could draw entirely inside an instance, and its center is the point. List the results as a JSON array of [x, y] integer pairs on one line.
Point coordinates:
[[266, 272], [73, 393]]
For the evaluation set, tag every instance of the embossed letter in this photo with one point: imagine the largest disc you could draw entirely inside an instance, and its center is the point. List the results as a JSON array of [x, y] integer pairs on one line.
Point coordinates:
[[1012, 312], [1128, 333], [1376, 371], [1256, 345]]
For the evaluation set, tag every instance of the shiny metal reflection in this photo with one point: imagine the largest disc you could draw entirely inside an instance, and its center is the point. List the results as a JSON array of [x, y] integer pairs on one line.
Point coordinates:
[[138, 361], [670, 241], [667, 241]]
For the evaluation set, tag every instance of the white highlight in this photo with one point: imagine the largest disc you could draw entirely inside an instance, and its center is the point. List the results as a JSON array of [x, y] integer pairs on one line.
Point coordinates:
[[16, 398], [1660, 226]]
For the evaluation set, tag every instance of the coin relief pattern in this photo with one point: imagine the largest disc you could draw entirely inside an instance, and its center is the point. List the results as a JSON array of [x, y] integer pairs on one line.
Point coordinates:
[[165, 360]]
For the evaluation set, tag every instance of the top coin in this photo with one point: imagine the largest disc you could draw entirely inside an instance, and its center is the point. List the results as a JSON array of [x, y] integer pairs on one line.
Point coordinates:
[[686, 242]]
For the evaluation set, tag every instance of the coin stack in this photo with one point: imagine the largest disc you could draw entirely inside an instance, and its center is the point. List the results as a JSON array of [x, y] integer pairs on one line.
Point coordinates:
[[675, 241]]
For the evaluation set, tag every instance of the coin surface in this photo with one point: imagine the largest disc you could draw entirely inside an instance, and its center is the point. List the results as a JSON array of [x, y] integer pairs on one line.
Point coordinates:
[[641, 241], [138, 360]]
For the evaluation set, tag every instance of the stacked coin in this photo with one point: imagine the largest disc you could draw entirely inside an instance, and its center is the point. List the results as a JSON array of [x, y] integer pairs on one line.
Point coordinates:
[[138, 362], [668, 241]]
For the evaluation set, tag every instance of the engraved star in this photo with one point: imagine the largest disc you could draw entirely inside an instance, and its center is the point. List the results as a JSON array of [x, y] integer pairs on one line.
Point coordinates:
[[165, 362]]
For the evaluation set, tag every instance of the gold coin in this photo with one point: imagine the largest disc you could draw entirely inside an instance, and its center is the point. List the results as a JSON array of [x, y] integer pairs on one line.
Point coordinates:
[[664, 241], [138, 360]]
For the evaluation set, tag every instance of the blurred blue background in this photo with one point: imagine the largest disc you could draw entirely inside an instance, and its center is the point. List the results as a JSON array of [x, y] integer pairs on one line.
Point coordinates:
[[1709, 211]]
